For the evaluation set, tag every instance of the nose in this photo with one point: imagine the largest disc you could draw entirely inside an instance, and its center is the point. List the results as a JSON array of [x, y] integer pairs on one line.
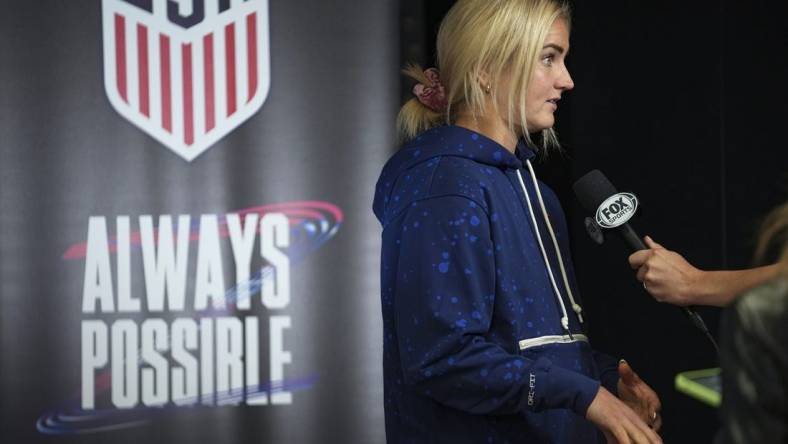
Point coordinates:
[[564, 81]]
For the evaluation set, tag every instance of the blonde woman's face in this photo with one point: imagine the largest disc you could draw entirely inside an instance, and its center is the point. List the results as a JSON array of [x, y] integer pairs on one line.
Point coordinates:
[[549, 80]]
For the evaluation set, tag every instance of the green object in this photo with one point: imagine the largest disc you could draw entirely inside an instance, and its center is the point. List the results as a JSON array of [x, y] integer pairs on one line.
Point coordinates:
[[703, 385]]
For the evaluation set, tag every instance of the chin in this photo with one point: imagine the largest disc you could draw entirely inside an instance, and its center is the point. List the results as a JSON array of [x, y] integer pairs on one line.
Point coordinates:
[[545, 124], [539, 128], [539, 125]]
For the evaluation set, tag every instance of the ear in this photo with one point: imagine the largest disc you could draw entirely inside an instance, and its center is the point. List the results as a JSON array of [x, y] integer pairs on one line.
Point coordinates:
[[484, 78]]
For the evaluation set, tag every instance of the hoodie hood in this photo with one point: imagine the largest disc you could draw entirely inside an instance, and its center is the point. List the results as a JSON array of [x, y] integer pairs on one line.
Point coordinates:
[[454, 141]]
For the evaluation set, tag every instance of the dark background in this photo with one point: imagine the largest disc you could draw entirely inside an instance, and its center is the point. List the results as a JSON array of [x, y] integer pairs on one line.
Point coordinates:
[[682, 103]]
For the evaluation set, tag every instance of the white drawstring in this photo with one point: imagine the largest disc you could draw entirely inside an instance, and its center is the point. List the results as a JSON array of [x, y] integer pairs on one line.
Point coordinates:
[[564, 317], [575, 306]]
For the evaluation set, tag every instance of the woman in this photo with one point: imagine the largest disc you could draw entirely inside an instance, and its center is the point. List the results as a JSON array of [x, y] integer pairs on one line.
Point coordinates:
[[753, 352], [483, 338]]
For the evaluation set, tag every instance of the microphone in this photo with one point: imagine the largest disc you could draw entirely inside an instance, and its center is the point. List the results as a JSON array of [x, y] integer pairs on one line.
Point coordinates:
[[612, 210]]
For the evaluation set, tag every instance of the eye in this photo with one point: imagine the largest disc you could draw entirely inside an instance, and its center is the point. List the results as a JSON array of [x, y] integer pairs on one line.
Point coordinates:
[[548, 59]]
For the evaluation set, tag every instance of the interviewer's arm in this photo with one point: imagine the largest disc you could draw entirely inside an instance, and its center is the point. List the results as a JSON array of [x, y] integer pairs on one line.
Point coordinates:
[[668, 277]]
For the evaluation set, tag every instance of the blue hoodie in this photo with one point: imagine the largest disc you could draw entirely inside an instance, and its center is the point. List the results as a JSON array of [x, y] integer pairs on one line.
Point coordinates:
[[474, 349]]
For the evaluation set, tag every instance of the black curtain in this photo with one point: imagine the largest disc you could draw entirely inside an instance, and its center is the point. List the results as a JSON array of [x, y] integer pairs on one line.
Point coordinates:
[[680, 103]]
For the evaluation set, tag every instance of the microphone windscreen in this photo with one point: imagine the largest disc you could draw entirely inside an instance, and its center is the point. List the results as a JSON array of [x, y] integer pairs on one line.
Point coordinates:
[[592, 189]]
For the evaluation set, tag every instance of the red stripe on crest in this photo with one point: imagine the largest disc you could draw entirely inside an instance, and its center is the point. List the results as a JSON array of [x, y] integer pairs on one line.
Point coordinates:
[[188, 99], [229, 51], [142, 68], [120, 55], [166, 93], [251, 52], [210, 118]]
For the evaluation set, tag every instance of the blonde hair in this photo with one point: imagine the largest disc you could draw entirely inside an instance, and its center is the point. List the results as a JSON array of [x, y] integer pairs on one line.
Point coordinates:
[[485, 37], [774, 234]]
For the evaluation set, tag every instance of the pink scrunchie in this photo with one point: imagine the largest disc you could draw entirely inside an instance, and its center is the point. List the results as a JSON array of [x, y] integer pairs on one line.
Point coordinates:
[[433, 95]]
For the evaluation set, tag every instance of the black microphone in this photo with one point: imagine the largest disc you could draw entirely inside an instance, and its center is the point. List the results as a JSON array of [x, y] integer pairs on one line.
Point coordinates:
[[611, 211]]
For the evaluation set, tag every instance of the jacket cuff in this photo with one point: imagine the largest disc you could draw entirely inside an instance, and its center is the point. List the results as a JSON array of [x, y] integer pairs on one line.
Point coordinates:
[[609, 379], [608, 371], [555, 387]]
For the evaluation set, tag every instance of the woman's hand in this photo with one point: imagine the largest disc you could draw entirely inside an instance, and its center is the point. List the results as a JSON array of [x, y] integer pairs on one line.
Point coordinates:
[[639, 396], [618, 422], [670, 278], [666, 274]]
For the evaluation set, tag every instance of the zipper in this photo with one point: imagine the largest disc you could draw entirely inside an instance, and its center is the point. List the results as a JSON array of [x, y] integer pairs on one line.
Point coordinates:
[[552, 339]]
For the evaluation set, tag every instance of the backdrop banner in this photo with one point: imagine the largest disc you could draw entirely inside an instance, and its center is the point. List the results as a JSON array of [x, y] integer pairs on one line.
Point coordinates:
[[188, 248]]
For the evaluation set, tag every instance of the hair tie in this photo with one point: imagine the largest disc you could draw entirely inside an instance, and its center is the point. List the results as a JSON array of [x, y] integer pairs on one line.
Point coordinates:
[[432, 95]]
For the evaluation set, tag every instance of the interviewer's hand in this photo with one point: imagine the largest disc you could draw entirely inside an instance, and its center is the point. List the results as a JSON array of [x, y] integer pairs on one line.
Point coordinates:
[[618, 422], [639, 396], [665, 274]]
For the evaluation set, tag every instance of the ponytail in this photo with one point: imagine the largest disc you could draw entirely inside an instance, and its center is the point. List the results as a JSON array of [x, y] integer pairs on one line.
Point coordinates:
[[415, 116]]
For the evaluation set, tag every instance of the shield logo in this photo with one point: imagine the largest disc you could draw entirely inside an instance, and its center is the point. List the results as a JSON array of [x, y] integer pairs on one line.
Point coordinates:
[[186, 72]]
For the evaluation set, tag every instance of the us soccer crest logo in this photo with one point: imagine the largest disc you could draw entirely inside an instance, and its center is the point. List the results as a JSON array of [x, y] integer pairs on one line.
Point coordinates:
[[186, 72]]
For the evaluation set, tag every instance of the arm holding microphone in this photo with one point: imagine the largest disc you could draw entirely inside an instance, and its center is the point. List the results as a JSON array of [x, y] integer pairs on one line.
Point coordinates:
[[668, 277], [612, 210]]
